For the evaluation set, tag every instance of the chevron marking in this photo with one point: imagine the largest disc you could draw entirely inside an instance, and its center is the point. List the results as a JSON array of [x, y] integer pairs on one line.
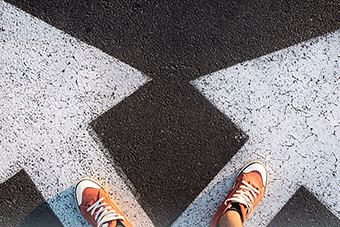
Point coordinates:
[[51, 86], [288, 103]]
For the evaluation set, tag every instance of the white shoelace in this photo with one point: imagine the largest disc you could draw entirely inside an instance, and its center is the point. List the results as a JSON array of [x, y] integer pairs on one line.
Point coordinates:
[[104, 214], [246, 196]]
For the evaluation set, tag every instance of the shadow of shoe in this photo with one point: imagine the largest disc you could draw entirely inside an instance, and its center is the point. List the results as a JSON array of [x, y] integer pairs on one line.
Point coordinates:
[[65, 208], [41, 216]]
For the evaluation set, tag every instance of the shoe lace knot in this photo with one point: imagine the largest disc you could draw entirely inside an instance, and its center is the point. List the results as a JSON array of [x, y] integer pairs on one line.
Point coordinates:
[[103, 214], [246, 195]]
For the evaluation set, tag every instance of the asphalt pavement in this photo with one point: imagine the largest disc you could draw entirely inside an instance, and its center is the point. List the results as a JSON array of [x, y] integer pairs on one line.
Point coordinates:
[[163, 102]]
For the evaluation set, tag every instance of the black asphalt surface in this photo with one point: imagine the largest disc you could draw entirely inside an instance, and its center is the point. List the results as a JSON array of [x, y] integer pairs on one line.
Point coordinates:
[[303, 209], [170, 142], [177, 40], [21, 204], [167, 138]]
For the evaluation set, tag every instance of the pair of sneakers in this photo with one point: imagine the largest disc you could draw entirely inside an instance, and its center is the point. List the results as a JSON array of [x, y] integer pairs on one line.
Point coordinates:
[[97, 208]]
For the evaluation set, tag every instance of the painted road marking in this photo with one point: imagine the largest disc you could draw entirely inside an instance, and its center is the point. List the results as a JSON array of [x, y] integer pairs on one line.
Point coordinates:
[[288, 103], [30, 91], [51, 87]]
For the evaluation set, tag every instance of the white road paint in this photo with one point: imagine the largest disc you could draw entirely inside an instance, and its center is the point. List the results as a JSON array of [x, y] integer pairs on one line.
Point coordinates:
[[51, 87], [288, 103]]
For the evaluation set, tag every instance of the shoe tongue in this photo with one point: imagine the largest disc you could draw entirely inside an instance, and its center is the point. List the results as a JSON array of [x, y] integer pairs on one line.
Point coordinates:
[[243, 209], [109, 223]]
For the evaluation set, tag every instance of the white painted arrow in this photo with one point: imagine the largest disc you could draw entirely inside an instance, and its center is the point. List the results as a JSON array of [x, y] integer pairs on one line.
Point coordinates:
[[288, 103], [51, 87]]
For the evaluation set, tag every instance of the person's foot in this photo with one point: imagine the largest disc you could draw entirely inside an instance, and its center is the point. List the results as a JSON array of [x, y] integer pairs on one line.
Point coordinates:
[[246, 193], [95, 205]]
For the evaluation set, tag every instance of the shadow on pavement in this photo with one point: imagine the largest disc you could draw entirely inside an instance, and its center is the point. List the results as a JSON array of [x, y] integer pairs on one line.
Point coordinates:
[[41, 216], [65, 207]]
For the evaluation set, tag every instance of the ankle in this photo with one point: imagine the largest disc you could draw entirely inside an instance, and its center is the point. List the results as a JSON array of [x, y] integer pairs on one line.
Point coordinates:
[[235, 207], [231, 218]]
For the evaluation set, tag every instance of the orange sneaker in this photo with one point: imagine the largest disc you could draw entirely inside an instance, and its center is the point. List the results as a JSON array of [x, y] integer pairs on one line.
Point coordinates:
[[95, 205], [247, 191]]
